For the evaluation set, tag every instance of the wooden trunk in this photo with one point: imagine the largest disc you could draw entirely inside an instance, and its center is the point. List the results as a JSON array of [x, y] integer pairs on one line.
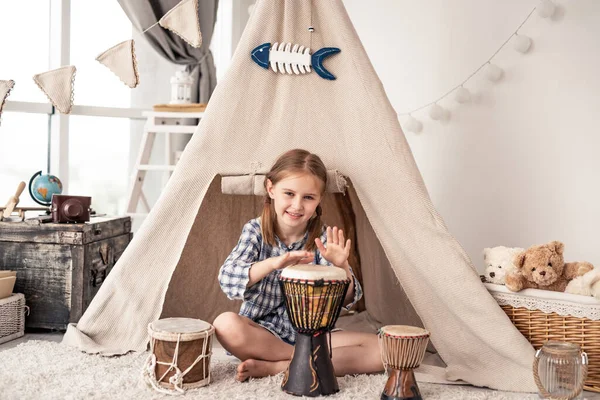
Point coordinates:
[[60, 267]]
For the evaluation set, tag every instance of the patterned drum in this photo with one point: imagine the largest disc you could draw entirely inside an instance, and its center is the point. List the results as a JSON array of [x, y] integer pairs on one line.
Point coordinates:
[[314, 295], [402, 350]]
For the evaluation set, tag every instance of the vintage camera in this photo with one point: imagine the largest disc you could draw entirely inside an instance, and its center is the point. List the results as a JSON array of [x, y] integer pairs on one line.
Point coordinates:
[[73, 209]]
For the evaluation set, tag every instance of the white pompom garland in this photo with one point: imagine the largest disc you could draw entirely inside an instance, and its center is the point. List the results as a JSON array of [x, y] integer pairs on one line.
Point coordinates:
[[462, 95], [413, 125], [546, 9], [493, 72], [436, 112], [522, 43]]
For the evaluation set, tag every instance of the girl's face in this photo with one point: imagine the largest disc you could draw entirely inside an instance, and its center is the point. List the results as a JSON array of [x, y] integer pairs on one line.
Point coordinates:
[[295, 199]]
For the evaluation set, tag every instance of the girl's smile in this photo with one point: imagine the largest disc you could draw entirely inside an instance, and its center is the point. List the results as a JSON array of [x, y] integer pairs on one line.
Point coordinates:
[[294, 215]]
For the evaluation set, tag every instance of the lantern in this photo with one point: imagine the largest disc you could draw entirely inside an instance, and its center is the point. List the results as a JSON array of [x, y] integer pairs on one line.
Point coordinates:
[[181, 88]]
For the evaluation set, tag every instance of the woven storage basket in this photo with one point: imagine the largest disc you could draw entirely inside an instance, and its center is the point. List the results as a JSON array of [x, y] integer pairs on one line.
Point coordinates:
[[12, 317], [541, 315]]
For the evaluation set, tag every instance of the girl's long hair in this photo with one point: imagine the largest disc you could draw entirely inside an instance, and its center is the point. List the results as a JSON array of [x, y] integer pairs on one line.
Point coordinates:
[[292, 162]]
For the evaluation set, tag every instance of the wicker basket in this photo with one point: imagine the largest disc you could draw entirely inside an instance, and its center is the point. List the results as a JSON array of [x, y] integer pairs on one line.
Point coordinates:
[[12, 317], [552, 322]]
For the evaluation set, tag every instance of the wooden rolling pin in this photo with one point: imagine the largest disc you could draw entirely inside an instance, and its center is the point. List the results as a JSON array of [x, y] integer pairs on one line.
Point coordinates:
[[14, 200]]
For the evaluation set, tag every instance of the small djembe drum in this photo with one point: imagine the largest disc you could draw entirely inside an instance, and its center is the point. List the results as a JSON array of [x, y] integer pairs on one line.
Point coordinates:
[[402, 350], [180, 350], [313, 295]]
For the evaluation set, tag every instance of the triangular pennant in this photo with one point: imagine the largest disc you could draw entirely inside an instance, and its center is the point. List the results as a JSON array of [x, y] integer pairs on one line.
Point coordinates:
[[121, 60], [183, 21], [59, 87], [5, 88]]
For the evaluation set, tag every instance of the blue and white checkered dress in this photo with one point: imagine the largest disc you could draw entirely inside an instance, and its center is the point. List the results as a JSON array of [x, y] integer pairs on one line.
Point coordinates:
[[263, 302]]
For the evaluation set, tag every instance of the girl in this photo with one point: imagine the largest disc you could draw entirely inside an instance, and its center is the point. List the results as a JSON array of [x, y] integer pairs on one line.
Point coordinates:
[[288, 232]]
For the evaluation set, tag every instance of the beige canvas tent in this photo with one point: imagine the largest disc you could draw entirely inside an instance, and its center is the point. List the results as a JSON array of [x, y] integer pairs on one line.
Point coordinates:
[[170, 268]]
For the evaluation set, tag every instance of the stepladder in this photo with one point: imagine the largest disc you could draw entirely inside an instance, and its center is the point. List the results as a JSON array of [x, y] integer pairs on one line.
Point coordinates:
[[164, 123]]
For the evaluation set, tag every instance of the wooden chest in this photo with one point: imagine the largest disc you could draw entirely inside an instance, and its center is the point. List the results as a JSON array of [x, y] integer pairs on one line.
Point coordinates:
[[60, 267]]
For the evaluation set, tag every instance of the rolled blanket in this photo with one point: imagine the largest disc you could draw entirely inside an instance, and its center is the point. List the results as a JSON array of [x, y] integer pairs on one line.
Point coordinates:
[[255, 184]]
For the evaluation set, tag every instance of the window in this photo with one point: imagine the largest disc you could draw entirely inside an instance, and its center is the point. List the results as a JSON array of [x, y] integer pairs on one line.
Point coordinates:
[[25, 47], [95, 84], [90, 149], [98, 161], [95, 162], [99, 145], [24, 136], [23, 152]]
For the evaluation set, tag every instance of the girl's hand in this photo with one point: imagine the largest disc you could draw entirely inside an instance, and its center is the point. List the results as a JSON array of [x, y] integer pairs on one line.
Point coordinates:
[[293, 258], [336, 252]]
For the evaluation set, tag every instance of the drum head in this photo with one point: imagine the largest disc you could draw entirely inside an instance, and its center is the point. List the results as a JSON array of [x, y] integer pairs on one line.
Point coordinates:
[[404, 331], [186, 328], [312, 272]]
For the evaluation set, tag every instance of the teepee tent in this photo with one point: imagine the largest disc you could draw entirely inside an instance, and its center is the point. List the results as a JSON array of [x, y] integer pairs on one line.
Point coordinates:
[[404, 248]]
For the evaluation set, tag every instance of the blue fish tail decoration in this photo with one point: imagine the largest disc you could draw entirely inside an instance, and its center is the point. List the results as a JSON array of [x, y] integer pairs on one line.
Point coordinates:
[[317, 61]]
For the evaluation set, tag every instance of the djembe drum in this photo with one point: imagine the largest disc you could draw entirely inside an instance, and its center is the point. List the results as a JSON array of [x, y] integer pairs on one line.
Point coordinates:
[[402, 350], [313, 295], [180, 350]]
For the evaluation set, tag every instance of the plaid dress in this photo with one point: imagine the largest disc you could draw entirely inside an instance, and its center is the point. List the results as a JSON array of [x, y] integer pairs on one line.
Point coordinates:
[[263, 302]]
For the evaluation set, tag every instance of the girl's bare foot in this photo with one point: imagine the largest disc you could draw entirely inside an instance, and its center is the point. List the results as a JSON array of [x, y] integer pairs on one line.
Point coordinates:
[[259, 369]]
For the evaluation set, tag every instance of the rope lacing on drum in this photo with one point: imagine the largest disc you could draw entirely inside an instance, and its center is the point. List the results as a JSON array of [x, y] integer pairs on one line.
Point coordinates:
[[379, 340], [149, 371]]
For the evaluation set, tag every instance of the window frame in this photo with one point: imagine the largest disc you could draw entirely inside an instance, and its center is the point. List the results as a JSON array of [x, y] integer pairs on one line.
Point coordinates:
[[58, 127]]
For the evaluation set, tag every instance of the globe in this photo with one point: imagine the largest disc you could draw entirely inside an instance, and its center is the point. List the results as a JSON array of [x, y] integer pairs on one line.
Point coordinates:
[[42, 187]]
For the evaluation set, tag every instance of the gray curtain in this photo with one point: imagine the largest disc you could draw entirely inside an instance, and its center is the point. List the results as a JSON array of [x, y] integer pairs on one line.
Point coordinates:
[[198, 62]]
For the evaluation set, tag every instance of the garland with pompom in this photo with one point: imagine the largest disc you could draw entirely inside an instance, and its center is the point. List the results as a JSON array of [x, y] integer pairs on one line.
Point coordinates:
[[521, 43]]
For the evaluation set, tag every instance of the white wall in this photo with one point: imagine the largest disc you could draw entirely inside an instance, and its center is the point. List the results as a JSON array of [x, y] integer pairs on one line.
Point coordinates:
[[232, 17], [519, 166], [240, 17]]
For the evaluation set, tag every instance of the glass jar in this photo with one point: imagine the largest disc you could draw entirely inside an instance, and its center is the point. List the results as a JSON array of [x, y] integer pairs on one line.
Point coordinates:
[[560, 370]]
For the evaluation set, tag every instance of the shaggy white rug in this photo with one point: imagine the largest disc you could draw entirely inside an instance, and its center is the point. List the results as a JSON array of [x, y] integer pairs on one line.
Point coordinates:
[[48, 370]]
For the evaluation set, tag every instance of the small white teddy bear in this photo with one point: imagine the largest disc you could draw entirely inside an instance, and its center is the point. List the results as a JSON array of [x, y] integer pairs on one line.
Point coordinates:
[[499, 262], [586, 285]]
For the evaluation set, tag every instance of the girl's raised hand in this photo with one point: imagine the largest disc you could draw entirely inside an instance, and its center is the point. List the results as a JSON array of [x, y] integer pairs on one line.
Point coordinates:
[[293, 258], [336, 251]]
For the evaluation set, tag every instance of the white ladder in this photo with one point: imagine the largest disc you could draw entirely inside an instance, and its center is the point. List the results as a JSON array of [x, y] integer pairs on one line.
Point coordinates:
[[157, 122]]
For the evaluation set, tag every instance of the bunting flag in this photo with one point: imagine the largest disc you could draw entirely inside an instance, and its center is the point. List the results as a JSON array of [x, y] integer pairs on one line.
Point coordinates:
[[121, 60], [59, 86], [183, 21], [5, 88]]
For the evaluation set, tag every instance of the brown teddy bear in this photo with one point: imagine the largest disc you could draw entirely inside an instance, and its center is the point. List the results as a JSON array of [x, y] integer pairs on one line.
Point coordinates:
[[543, 267]]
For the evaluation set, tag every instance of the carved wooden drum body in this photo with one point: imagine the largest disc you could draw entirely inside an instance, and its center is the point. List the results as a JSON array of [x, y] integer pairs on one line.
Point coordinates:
[[402, 350], [314, 295]]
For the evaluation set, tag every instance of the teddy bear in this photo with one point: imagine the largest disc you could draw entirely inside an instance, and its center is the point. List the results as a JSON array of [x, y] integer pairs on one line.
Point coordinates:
[[499, 262], [543, 267], [586, 285]]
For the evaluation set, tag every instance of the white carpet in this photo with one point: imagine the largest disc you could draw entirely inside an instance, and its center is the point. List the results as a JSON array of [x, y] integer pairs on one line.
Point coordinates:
[[40, 369]]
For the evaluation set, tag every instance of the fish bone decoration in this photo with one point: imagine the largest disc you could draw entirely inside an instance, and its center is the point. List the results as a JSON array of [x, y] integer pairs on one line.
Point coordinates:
[[286, 59]]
